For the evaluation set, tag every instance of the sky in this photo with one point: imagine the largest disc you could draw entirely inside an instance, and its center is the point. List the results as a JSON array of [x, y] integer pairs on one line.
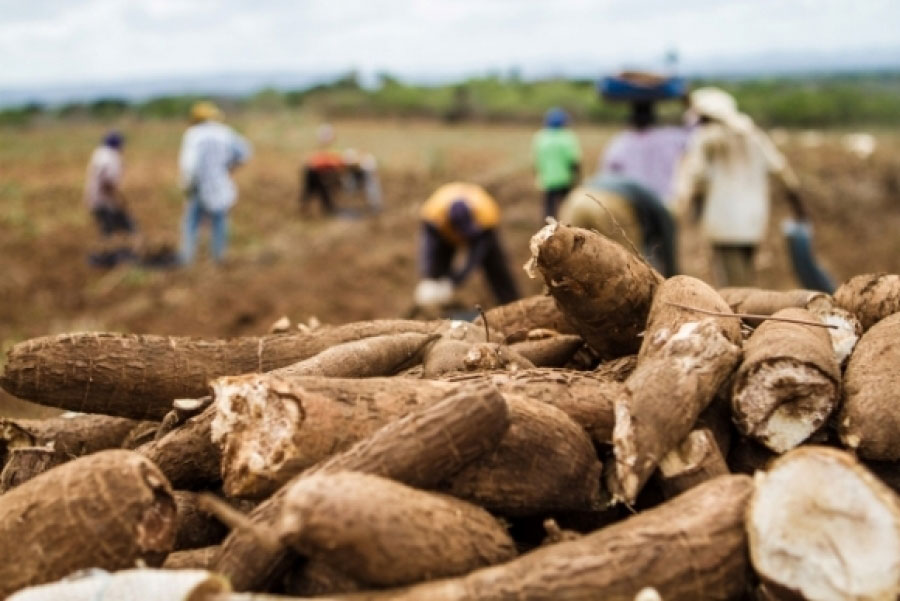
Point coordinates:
[[67, 42]]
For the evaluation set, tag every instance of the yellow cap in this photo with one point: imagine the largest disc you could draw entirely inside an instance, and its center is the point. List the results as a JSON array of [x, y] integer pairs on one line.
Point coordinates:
[[205, 111]]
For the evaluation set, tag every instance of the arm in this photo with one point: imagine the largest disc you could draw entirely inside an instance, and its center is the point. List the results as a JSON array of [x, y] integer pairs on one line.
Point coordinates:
[[779, 167], [240, 152], [478, 249], [689, 181]]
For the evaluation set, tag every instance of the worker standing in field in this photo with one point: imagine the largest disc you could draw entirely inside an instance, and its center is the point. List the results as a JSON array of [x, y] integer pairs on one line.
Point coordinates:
[[557, 159], [462, 215], [210, 151], [103, 196], [723, 181]]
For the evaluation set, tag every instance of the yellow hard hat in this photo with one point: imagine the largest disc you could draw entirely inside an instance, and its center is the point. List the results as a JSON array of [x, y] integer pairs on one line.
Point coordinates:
[[205, 111]]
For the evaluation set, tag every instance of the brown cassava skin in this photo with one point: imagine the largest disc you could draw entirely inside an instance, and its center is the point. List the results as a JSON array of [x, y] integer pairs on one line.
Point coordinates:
[[105, 510], [420, 449], [514, 320], [270, 428], [554, 351], [871, 297], [138, 376], [191, 559], [693, 461], [384, 533], [71, 436], [758, 301], [365, 358], [587, 398], [24, 463], [544, 463], [747, 456], [604, 290], [187, 455], [314, 577], [682, 363], [195, 528], [690, 548], [869, 421], [786, 348], [616, 370]]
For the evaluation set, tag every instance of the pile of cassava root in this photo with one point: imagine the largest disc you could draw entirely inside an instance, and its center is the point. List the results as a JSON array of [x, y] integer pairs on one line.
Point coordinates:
[[594, 443]]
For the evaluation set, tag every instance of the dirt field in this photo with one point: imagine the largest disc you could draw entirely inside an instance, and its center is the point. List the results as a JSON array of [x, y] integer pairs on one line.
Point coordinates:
[[340, 270]]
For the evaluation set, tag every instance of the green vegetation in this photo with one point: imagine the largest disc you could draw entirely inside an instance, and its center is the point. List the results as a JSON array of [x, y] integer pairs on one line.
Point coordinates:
[[809, 101]]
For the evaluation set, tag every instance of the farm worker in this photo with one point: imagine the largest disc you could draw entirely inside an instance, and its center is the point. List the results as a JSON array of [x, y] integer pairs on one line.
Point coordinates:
[[462, 215], [557, 159], [210, 151], [723, 180], [327, 167], [103, 196]]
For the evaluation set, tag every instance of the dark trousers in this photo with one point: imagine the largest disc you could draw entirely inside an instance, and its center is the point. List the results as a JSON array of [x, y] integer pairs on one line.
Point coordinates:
[[438, 263], [553, 198], [315, 183], [112, 220], [734, 264]]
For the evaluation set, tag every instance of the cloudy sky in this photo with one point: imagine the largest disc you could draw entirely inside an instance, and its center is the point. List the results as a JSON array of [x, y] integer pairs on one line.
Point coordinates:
[[74, 41]]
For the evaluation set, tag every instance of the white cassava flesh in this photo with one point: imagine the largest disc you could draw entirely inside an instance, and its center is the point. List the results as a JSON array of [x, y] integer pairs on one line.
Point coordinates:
[[821, 525], [784, 403]]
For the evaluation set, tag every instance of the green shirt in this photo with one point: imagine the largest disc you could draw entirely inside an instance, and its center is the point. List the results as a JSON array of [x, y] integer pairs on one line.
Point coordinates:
[[556, 152]]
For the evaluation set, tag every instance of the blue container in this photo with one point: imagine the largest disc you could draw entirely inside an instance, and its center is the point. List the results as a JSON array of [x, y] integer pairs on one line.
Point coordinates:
[[616, 87]]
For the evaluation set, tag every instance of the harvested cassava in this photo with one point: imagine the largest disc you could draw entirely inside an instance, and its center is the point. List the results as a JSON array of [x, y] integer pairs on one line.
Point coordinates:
[[693, 461], [310, 578], [869, 421], [365, 358], [544, 463], [616, 370], [24, 463], [143, 584], [747, 456], [845, 329], [70, 435], [683, 362], [182, 410], [554, 351], [452, 356], [585, 397], [604, 290], [270, 428], [788, 382], [757, 301], [187, 455], [514, 320], [192, 559], [384, 533], [195, 527], [690, 548], [421, 449], [105, 510], [140, 376], [871, 297], [822, 527]]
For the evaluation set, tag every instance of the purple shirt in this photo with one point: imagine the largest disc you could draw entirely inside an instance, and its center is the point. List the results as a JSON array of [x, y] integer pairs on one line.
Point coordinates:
[[649, 157]]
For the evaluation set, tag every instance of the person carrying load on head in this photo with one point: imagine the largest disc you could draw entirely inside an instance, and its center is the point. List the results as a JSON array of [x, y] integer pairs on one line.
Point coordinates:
[[557, 159], [210, 152], [461, 216], [327, 169], [723, 181], [634, 178]]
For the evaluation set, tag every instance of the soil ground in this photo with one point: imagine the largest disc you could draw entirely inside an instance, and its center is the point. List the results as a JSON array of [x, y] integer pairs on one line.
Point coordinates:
[[339, 270]]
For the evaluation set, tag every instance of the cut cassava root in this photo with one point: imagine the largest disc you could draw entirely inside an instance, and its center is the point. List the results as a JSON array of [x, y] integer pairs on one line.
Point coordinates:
[[871, 297], [822, 528], [420, 449], [105, 510], [788, 382]]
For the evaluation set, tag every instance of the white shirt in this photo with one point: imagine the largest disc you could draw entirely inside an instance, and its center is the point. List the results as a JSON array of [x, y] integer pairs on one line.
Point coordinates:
[[732, 167], [104, 168], [648, 157], [209, 150]]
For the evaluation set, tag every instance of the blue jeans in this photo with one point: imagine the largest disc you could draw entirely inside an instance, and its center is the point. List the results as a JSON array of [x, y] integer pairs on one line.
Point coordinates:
[[193, 215]]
